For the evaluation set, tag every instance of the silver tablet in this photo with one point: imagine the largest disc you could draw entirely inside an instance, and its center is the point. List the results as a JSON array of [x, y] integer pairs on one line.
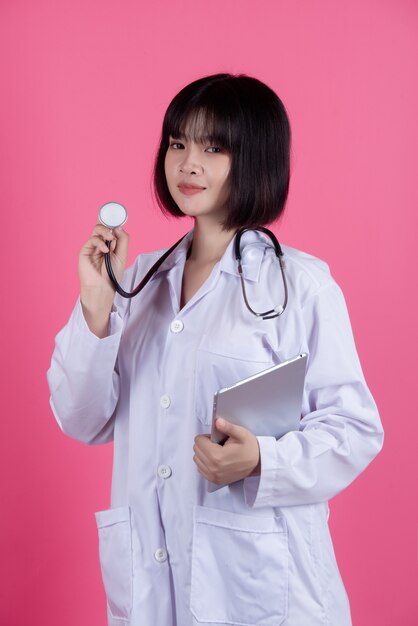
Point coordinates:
[[268, 403]]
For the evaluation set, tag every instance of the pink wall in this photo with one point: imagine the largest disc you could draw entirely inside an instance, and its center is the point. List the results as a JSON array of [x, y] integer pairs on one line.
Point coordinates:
[[84, 89]]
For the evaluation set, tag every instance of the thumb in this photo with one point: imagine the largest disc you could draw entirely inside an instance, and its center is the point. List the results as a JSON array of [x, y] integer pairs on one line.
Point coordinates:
[[122, 243], [232, 430]]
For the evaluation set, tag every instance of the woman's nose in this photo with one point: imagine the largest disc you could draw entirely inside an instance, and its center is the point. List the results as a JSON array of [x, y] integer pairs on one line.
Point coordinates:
[[190, 163]]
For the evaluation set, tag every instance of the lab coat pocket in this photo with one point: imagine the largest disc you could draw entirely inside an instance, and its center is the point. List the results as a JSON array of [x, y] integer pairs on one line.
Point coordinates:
[[239, 568], [115, 548], [222, 363]]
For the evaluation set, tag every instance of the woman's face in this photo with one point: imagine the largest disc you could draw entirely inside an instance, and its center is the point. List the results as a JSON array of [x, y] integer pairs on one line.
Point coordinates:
[[201, 164]]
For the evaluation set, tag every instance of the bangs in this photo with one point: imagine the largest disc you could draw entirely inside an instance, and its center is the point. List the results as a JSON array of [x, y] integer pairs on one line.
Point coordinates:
[[202, 125]]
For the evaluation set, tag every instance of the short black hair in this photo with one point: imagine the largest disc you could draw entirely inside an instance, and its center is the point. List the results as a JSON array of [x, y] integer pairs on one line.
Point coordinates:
[[248, 119]]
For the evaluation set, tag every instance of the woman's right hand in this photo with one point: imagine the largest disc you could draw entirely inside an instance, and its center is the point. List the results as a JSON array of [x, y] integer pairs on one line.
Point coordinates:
[[96, 289]]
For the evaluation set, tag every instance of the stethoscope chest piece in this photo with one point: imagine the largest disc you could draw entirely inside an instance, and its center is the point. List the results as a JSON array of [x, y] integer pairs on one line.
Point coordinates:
[[113, 215]]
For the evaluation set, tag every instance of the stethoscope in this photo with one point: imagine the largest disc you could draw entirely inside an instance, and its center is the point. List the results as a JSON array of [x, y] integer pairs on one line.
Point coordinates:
[[113, 215]]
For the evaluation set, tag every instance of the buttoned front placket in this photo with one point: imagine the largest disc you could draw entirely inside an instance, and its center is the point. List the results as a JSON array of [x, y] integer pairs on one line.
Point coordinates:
[[177, 425], [170, 412]]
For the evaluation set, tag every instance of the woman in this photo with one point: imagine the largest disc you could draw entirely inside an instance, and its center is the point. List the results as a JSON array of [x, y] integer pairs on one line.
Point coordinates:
[[142, 372]]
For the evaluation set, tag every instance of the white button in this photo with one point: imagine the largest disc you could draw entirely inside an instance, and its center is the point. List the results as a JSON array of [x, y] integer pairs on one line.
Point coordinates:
[[176, 326], [165, 401], [160, 555], [164, 471]]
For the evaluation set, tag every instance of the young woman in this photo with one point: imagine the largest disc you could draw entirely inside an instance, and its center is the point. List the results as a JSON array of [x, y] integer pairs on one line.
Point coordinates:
[[142, 372]]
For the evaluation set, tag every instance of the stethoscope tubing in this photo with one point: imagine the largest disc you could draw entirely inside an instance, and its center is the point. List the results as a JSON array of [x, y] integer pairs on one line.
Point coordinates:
[[270, 314], [147, 277], [277, 310]]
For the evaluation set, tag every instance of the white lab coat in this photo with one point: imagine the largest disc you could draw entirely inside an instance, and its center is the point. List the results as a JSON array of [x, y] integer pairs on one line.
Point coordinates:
[[257, 552]]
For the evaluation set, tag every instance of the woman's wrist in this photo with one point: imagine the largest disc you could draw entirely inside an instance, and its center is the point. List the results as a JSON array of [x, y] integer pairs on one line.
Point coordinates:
[[96, 312], [257, 470]]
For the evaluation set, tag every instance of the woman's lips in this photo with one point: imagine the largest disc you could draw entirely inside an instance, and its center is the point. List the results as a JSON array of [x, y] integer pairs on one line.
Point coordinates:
[[190, 191]]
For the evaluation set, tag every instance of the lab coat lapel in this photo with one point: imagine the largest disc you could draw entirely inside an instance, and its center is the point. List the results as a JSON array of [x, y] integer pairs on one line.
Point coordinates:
[[252, 256], [175, 279]]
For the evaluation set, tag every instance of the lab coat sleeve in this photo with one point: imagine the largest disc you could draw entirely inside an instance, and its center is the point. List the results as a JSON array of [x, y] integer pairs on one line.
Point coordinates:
[[83, 378], [340, 429]]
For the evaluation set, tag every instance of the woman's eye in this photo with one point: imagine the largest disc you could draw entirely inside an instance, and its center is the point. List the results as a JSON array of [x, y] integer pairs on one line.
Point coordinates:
[[175, 143]]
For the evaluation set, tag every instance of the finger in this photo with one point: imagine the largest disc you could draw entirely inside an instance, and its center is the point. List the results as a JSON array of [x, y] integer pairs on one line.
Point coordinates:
[[211, 455], [199, 438], [212, 475], [107, 234], [202, 456], [204, 443], [122, 242], [95, 243], [202, 468], [232, 430]]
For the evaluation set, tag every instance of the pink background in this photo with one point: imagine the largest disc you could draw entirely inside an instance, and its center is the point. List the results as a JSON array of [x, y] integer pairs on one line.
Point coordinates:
[[84, 89]]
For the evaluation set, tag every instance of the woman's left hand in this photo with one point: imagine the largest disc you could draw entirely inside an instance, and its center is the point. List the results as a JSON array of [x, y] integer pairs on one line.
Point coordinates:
[[238, 458]]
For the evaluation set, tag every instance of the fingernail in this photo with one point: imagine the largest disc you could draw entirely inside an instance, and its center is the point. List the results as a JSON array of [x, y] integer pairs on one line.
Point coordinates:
[[221, 422]]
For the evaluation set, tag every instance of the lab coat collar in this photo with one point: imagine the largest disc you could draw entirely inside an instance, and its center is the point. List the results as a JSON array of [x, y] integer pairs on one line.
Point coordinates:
[[253, 246], [178, 254]]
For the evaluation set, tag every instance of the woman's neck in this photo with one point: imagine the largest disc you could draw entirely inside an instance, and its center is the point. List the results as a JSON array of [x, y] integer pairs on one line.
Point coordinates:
[[209, 241]]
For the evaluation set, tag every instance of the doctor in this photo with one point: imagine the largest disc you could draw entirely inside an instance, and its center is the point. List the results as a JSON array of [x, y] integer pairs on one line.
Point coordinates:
[[142, 373]]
